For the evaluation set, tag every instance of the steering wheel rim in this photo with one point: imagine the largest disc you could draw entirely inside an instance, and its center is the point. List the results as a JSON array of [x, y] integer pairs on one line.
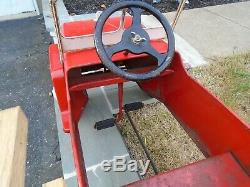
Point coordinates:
[[107, 59]]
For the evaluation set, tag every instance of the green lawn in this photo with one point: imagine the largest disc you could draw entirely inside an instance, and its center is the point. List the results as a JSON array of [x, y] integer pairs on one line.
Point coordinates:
[[229, 79]]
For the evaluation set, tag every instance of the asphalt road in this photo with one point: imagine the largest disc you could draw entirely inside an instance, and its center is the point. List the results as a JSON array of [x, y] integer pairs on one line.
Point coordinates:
[[25, 81]]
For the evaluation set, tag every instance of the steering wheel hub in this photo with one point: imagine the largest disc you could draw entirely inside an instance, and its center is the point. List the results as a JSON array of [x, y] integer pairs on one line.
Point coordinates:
[[136, 38]]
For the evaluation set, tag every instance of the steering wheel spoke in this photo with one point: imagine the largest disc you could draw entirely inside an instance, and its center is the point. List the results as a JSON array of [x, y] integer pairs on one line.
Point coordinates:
[[153, 52], [111, 50], [136, 16]]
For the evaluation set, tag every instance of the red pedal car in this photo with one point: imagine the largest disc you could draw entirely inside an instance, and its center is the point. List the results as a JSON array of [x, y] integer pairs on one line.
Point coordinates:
[[119, 49]]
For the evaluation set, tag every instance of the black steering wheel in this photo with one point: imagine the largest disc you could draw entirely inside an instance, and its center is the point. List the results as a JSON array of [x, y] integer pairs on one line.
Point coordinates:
[[134, 39]]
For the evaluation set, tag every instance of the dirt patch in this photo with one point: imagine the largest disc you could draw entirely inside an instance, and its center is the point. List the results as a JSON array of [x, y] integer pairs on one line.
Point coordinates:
[[166, 140], [91, 6]]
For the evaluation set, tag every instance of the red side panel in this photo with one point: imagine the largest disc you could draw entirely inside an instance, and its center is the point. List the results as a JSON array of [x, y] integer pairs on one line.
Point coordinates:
[[214, 127], [68, 106], [219, 171], [57, 76]]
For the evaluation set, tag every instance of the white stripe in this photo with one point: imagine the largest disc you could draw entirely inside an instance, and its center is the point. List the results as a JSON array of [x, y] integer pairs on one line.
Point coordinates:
[[69, 175], [189, 54], [106, 98]]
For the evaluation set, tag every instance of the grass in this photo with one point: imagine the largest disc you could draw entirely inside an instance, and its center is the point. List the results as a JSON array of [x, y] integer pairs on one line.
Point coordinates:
[[229, 79], [169, 145]]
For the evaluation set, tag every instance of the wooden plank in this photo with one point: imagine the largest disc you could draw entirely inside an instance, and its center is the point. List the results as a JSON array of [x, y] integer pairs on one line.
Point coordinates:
[[55, 183], [13, 140]]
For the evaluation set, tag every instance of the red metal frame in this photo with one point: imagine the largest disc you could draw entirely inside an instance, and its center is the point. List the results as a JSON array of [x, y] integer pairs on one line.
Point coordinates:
[[217, 170], [214, 128]]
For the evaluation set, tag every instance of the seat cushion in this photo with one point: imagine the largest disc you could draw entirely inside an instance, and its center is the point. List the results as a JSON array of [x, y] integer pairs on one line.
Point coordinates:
[[86, 27]]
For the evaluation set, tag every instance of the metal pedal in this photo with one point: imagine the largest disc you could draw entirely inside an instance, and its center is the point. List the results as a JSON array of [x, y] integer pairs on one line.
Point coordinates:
[[104, 124], [133, 106]]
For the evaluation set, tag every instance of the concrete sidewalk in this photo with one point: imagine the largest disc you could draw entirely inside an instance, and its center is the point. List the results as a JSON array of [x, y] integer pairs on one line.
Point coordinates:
[[217, 30]]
